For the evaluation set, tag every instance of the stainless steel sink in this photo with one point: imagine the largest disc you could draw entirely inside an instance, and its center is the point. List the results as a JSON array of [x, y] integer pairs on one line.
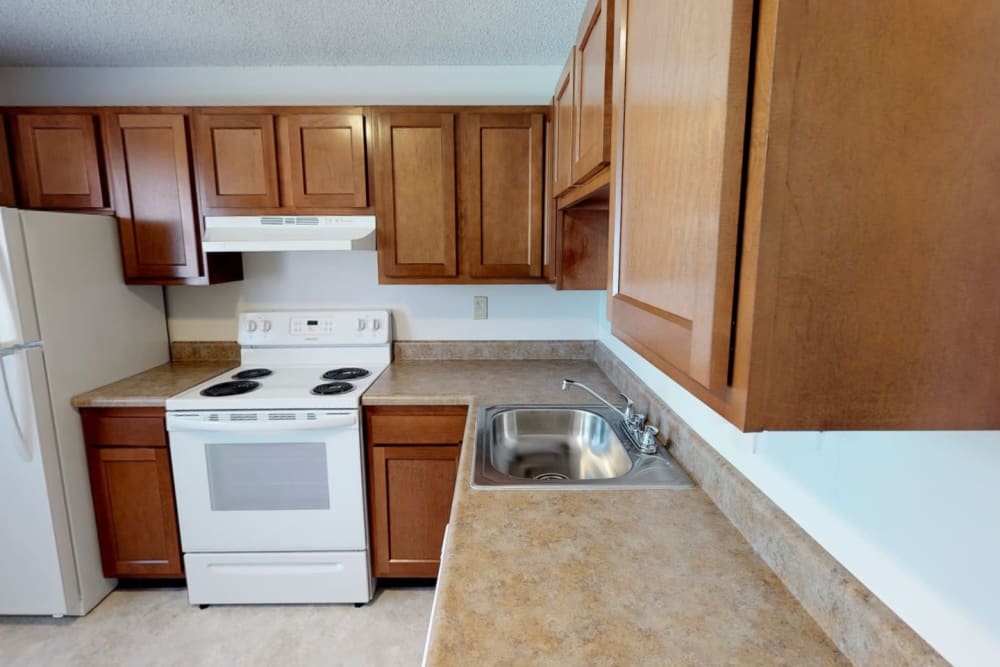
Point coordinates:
[[519, 446]]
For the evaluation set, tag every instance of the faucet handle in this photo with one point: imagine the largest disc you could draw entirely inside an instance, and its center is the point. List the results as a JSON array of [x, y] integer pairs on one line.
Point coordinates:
[[647, 439]]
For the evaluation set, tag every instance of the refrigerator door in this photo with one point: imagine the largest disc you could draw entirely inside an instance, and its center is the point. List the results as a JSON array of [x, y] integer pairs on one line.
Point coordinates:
[[95, 330], [37, 573], [18, 321]]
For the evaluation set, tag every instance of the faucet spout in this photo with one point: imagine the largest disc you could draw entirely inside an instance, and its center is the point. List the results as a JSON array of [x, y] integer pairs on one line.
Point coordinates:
[[642, 436], [626, 414]]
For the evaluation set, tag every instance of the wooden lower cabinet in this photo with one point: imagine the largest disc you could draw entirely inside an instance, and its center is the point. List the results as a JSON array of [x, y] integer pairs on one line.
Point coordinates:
[[413, 457], [133, 492]]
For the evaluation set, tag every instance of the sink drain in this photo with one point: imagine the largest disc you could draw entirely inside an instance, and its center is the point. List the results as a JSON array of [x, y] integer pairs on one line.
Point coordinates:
[[551, 475]]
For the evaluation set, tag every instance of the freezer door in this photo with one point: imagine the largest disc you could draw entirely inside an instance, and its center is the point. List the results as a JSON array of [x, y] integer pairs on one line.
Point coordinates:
[[18, 320], [37, 575]]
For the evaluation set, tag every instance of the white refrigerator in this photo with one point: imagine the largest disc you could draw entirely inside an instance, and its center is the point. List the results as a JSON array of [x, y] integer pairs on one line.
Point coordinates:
[[68, 323]]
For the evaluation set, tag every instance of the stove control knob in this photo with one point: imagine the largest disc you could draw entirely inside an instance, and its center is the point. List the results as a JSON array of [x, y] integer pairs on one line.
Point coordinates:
[[361, 324], [376, 325], [266, 325], [251, 326]]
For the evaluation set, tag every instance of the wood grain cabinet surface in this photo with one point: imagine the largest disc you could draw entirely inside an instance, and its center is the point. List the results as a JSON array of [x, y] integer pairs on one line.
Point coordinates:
[[417, 217], [678, 180], [591, 133], [237, 161], [132, 487], [500, 198], [475, 174], [811, 248], [59, 162], [151, 171], [562, 128], [412, 467], [8, 197], [324, 162]]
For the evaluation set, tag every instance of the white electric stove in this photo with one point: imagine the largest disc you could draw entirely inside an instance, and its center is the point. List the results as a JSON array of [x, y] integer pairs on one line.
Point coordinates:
[[268, 462]]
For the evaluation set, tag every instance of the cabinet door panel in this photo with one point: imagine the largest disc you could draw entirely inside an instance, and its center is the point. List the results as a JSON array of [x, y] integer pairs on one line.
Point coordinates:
[[59, 163], [415, 170], [503, 180], [592, 99], [562, 128], [151, 176], [680, 98], [325, 160], [134, 506], [412, 492], [237, 162], [7, 195]]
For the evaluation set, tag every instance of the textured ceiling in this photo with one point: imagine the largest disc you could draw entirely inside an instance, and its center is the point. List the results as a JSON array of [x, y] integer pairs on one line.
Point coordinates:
[[286, 32]]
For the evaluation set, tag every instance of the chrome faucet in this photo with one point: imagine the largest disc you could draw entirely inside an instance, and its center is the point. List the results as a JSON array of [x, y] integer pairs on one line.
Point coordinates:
[[641, 434]]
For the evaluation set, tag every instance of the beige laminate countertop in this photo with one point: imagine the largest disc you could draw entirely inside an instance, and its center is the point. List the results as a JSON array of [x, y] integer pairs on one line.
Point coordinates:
[[604, 577], [152, 388]]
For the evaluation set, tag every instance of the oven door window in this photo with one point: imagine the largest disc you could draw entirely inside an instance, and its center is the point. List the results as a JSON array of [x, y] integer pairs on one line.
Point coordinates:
[[267, 476]]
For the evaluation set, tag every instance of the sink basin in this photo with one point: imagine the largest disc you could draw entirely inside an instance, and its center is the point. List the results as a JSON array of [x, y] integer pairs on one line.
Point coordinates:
[[564, 447]]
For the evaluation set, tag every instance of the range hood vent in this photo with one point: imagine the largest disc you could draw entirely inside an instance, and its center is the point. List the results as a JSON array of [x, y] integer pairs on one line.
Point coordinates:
[[276, 233]]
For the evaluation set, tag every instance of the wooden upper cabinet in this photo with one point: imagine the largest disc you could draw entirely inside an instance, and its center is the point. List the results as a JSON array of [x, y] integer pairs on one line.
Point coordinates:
[[7, 195], [236, 160], [678, 167], [592, 97], [415, 179], [59, 162], [150, 169], [501, 204], [323, 160], [562, 128], [549, 212]]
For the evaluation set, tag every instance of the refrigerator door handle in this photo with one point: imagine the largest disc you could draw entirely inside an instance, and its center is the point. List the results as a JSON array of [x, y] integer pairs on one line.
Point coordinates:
[[23, 446]]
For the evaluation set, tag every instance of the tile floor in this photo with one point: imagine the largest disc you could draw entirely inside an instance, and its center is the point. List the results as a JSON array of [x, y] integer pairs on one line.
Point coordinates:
[[158, 627]]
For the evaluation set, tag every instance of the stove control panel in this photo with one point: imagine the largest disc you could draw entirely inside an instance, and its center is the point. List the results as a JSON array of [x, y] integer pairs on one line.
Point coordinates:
[[330, 327]]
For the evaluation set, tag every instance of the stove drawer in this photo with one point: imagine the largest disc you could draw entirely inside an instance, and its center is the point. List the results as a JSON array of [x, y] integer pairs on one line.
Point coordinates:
[[278, 578]]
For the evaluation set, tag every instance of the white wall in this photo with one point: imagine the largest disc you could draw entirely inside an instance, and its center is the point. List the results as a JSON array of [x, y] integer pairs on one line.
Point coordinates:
[[276, 85], [915, 516], [292, 280]]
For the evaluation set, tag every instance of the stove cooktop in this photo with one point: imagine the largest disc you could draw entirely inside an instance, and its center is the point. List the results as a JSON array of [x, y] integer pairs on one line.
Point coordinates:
[[280, 388]]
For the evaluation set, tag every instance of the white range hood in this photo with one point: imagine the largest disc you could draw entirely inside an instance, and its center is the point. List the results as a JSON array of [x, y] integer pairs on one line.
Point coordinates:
[[280, 233]]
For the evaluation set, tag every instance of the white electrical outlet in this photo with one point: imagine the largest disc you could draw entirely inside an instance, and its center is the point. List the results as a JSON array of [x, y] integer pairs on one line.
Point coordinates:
[[480, 310]]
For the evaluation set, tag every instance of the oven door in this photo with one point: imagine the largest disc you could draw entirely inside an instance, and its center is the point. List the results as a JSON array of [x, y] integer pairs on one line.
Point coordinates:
[[268, 481]]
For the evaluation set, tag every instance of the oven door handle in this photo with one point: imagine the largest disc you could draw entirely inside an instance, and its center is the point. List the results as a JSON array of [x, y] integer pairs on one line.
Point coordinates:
[[335, 421]]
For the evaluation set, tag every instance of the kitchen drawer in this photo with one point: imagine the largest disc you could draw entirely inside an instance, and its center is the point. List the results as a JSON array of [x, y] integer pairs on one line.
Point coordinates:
[[278, 578], [124, 427], [416, 425]]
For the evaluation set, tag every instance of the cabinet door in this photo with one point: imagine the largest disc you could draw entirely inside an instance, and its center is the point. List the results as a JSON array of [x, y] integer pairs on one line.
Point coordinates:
[[151, 176], [324, 160], [549, 212], [7, 196], [592, 98], [58, 161], [236, 160], [676, 187], [134, 505], [562, 128], [412, 490], [415, 177], [502, 180]]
